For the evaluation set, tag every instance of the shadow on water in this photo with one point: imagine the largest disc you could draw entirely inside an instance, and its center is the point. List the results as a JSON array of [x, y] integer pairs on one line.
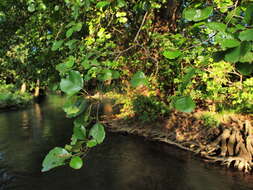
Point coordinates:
[[122, 162]]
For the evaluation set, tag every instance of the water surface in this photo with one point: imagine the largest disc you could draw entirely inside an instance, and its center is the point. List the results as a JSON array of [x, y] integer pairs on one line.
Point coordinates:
[[121, 163]]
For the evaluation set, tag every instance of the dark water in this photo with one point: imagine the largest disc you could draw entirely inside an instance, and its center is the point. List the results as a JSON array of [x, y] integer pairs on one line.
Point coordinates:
[[121, 163]]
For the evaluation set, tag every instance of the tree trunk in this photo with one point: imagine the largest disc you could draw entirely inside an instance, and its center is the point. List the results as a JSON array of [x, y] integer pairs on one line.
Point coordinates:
[[37, 89], [170, 12], [23, 88]]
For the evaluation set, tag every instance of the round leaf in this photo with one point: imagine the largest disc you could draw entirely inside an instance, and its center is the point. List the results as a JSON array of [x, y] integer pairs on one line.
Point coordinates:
[[98, 132], [78, 27], [91, 143], [115, 74], [248, 57], [102, 4], [69, 32], [76, 162], [229, 43], [235, 54], [172, 54], [80, 132], [31, 8], [70, 61], [246, 35], [245, 68], [197, 14], [185, 104], [57, 45], [74, 106], [138, 79], [56, 157], [72, 84], [106, 74], [217, 26]]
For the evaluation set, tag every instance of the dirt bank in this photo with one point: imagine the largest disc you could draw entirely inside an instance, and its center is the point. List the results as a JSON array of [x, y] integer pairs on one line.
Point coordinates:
[[230, 143]]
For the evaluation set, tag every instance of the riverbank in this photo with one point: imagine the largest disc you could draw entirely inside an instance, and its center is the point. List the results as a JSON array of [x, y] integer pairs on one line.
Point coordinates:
[[230, 143], [12, 98]]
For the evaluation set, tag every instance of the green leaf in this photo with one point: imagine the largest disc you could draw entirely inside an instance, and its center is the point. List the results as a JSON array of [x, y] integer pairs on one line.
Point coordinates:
[[77, 147], [139, 79], [98, 132], [68, 147], [197, 14], [185, 104], [76, 162], [235, 54], [238, 27], [246, 35], [71, 44], [78, 27], [69, 32], [122, 20], [2, 17], [229, 43], [72, 23], [56, 157], [53, 86], [91, 143], [249, 15], [57, 45], [56, 8], [106, 74], [187, 78], [245, 68], [72, 84], [75, 106], [84, 117], [121, 3], [221, 36], [172, 54], [248, 57], [31, 7], [62, 68], [102, 4], [73, 140], [217, 26], [70, 61], [80, 132], [67, 65], [115, 74]]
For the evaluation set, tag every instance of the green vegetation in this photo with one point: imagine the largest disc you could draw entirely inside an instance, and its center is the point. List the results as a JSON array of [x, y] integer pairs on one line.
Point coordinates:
[[159, 55], [12, 98], [149, 109]]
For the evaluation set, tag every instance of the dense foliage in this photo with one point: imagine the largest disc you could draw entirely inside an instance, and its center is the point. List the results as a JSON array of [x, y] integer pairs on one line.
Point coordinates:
[[177, 54], [11, 98]]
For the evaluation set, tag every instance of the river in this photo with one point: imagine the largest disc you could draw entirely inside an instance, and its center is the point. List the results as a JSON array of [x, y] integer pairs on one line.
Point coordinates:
[[122, 162]]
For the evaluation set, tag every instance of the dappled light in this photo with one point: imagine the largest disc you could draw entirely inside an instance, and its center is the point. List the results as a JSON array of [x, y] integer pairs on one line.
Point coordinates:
[[177, 72]]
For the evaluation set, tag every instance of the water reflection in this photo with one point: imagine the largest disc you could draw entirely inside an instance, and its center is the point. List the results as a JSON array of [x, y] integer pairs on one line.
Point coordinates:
[[122, 162]]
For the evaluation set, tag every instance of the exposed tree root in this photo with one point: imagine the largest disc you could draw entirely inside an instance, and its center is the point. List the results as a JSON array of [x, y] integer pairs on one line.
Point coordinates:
[[231, 144], [234, 147]]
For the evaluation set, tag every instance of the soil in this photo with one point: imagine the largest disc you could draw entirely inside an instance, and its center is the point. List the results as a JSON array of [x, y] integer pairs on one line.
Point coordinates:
[[230, 144]]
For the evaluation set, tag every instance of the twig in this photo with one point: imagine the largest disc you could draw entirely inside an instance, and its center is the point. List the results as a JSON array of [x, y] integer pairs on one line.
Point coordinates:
[[58, 33], [193, 46], [234, 11], [154, 59], [142, 23], [146, 52], [120, 53]]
